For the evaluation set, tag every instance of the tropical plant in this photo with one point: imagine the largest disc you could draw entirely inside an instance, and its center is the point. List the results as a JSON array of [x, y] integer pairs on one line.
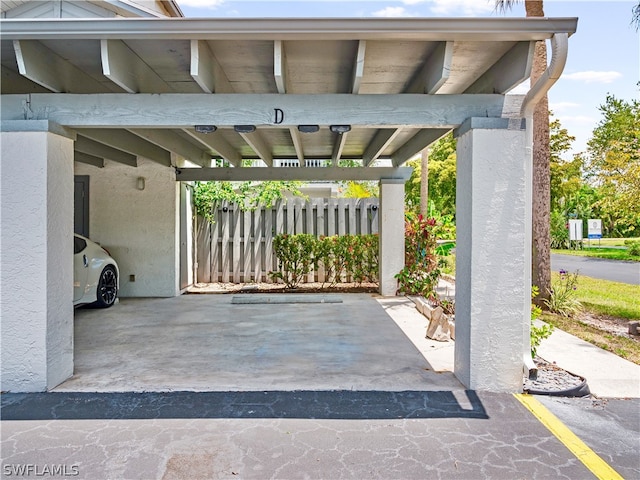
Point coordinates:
[[538, 333], [562, 296], [421, 271], [295, 257]]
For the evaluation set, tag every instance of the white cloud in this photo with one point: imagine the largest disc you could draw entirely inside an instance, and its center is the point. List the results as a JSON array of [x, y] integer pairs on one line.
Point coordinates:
[[561, 106], [462, 7], [521, 89], [392, 12], [201, 3], [591, 76]]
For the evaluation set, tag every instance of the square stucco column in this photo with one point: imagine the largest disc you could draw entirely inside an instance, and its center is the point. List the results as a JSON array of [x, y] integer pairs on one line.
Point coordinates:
[[36, 279], [391, 234], [492, 279]]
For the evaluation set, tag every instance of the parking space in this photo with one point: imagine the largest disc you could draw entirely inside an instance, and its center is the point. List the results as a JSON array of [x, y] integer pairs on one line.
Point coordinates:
[[208, 343]]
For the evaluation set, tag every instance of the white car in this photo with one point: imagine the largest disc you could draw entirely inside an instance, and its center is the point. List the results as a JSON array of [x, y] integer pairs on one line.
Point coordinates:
[[95, 274]]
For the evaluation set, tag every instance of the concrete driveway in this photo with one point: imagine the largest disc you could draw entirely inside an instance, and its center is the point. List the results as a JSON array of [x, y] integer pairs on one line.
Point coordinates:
[[208, 343]]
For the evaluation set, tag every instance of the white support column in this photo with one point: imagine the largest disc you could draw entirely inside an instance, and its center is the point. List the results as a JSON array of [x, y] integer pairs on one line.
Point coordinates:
[[493, 248], [36, 274], [391, 234]]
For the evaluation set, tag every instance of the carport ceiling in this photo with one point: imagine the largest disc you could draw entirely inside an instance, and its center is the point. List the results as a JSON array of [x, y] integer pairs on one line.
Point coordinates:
[[398, 83]]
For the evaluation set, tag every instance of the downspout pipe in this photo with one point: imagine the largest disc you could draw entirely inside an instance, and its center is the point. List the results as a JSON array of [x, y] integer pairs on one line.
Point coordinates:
[[559, 50]]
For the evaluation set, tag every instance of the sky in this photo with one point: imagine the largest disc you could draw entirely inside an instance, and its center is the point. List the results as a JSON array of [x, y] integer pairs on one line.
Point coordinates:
[[604, 53]]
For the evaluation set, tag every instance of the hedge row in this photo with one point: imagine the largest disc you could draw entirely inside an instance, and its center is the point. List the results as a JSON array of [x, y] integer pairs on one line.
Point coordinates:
[[343, 257]]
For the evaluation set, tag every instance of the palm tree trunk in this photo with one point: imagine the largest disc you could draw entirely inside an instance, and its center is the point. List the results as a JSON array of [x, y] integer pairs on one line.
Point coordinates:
[[541, 237]]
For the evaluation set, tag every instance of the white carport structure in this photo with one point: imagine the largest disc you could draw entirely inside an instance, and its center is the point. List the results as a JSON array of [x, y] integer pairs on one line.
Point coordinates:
[[122, 98]]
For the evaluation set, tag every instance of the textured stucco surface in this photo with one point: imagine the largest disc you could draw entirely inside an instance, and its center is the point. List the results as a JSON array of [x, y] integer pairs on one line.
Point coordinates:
[[138, 227], [391, 234], [490, 258], [37, 260]]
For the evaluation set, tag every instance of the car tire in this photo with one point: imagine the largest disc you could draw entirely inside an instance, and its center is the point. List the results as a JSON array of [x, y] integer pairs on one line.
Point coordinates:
[[107, 291]]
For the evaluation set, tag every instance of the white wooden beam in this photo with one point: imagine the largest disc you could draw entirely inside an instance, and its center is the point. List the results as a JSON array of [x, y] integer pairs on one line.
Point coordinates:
[[217, 144], [206, 70], [150, 111], [292, 173], [44, 67], [338, 146], [96, 149], [128, 142], [258, 144], [435, 71], [174, 143], [377, 145], [513, 68], [280, 66], [296, 138], [416, 144], [88, 159], [358, 70], [124, 68]]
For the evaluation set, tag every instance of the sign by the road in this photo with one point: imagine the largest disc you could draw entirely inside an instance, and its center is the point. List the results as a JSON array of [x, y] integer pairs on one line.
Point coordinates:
[[575, 230], [595, 228]]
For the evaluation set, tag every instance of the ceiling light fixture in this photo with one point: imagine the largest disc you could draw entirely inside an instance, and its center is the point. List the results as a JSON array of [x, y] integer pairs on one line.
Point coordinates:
[[308, 128], [244, 128], [340, 128], [205, 128]]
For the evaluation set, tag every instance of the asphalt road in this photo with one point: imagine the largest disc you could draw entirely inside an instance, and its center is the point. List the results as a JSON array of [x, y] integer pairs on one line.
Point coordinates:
[[615, 270]]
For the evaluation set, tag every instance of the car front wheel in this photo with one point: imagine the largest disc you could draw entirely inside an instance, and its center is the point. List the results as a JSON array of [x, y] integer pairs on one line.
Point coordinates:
[[107, 287]]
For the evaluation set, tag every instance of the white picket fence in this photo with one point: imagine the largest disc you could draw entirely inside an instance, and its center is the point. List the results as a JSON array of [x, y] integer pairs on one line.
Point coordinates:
[[238, 247]]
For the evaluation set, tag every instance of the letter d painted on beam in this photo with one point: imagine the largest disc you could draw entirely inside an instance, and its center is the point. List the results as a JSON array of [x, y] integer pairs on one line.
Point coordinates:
[[279, 116]]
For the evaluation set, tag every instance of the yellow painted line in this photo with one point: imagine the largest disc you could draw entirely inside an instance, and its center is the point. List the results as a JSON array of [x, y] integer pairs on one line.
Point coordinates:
[[591, 460]]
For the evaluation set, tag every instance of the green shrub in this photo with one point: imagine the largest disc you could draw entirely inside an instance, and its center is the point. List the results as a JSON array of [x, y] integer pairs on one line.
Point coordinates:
[[295, 257], [353, 257], [634, 248]]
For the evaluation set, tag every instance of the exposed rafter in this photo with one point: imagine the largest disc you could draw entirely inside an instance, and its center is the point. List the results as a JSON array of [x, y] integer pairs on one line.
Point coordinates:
[[297, 144], [217, 144], [44, 67], [513, 68], [124, 68], [97, 149], [338, 146], [174, 143], [258, 144], [88, 159], [206, 70], [416, 144], [435, 71], [128, 142], [358, 70], [377, 145], [280, 66]]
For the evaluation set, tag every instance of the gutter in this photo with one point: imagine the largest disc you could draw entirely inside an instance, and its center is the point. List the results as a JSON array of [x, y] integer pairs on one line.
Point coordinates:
[[559, 50]]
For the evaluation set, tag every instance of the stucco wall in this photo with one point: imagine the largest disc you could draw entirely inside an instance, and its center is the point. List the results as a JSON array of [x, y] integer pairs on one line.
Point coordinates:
[[491, 283], [36, 274], [138, 227]]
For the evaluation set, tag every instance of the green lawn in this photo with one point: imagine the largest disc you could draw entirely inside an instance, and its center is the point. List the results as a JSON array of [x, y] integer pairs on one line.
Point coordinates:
[[604, 248], [608, 298]]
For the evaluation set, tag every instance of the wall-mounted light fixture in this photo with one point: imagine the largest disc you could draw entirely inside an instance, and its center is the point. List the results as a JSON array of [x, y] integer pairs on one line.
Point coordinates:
[[141, 183], [340, 128], [308, 128], [244, 128], [205, 128]]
